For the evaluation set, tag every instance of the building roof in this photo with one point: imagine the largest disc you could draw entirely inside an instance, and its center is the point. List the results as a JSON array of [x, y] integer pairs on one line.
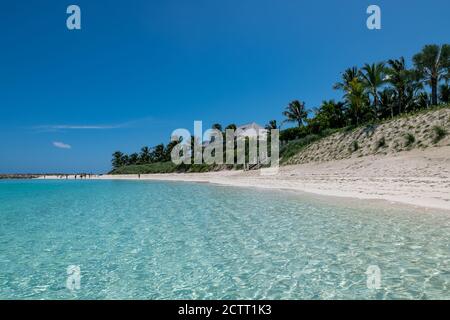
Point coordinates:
[[249, 128], [252, 125]]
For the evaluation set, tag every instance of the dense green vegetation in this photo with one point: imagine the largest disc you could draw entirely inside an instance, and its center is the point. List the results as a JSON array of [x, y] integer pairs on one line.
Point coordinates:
[[371, 94], [166, 167], [158, 167]]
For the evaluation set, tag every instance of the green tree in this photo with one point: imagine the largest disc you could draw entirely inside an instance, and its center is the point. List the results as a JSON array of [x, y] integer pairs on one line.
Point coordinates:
[[398, 76], [217, 126], [433, 64], [387, 102], [373, 76], [272, 125], [144, 156], [157, 154], [133, 159], [330, 115], [422, 100], [357, 101], [414, 91], [126, 159], [296, 112], [169, 148], [118, 160], [347, 77]]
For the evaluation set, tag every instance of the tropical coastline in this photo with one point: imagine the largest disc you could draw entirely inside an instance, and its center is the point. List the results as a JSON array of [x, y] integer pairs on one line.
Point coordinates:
[[417, 177], [403, 160], [225, 151]]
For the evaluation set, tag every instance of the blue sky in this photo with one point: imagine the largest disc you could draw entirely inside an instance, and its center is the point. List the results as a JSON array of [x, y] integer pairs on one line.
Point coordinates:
[[139, 69]]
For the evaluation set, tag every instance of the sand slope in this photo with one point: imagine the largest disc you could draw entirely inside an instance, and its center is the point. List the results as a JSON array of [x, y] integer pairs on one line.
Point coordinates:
[[383, 139]]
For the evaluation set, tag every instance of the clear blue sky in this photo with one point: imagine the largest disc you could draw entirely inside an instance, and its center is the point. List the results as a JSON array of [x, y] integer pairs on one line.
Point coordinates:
[[139, 69]]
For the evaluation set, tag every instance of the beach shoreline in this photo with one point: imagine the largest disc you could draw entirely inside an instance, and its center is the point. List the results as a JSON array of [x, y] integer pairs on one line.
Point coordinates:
[[419, 177]]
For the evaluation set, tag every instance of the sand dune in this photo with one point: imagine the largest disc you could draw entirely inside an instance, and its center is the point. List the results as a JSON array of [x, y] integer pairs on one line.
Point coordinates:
[[387, 138]]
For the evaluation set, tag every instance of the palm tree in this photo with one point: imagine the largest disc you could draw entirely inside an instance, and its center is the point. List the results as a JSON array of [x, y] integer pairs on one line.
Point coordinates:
[[350, 77], [373, 78], [133, 159], [433, 63], [125, 160], [158, 153], [347, 77], [398, 76], [387, 101], [144, 156], [356, 99], [231, 127], [422, 100], [168, 150], [296, 112], [118, 160], [272, 125], [331, 114], [414, 92]]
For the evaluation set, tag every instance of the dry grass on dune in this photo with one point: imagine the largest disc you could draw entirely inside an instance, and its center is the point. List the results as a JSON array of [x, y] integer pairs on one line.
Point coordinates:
[[419, 131]]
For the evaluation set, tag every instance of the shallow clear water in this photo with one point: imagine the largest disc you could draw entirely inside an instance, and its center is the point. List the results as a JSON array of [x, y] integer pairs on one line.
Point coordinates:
[[157, 240]]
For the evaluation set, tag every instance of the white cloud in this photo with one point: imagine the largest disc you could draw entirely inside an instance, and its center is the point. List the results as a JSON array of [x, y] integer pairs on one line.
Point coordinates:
[[78, 127], [62, 145], [66, 127]]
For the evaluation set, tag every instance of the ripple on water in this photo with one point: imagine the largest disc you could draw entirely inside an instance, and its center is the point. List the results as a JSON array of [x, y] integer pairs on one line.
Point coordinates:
[[156, 240]]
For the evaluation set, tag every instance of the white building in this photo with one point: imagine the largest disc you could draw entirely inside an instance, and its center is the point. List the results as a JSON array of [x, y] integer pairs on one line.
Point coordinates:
[[251, 130]]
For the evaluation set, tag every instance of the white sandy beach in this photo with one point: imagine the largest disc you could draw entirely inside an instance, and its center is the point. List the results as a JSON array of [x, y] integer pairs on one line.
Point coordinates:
[[420, 178]]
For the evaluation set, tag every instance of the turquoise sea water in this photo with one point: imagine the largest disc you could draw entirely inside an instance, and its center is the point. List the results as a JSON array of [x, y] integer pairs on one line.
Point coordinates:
[[157, 240]]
